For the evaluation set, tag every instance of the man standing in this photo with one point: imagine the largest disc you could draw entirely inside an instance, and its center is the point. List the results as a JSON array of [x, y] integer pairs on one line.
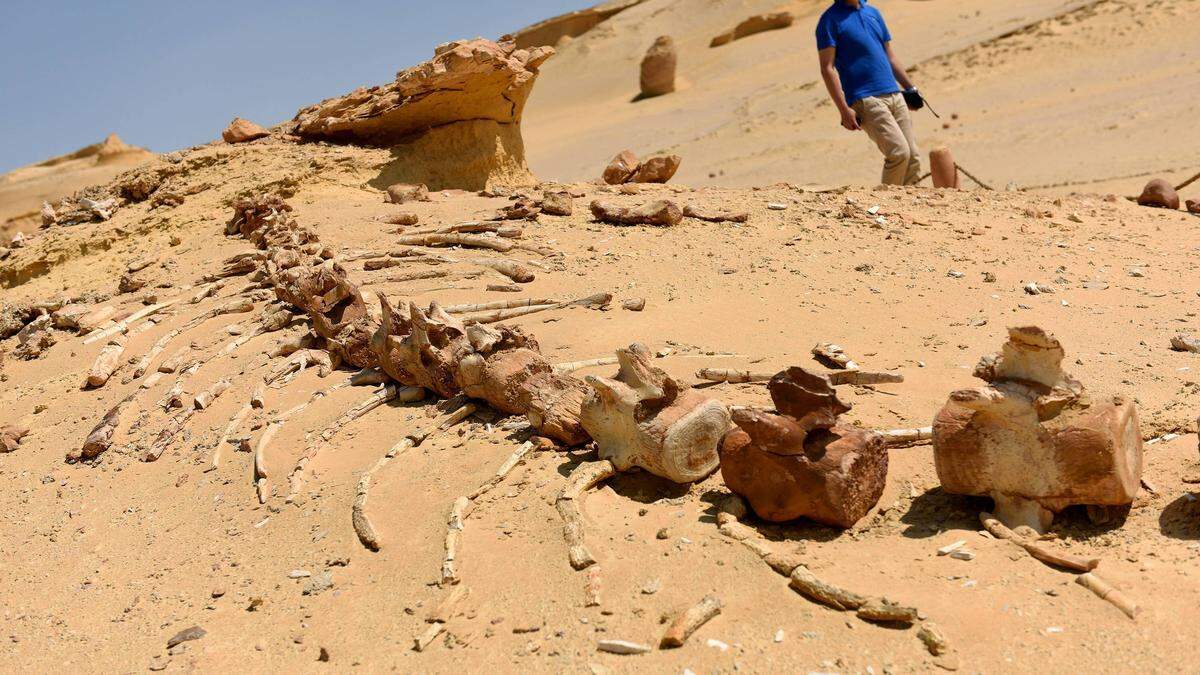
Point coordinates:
[[853, 40]]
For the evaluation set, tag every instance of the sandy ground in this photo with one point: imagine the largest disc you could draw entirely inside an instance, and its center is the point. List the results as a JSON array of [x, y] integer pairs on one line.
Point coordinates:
[[102, 563]]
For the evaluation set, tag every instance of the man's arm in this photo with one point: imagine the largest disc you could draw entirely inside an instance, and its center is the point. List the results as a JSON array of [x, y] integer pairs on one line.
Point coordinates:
[[897, 67], [834, 85]]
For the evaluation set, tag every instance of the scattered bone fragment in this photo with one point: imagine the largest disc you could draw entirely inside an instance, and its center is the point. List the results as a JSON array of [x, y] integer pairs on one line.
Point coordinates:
[[509, 268], [594, 587], [1037, 549], [899, 438], [509, 464], [833, 356], [808, 585], [572, 366], [106, 363], [504, 288], [645, 418], [1160, 194], [123, 325], [1033, 439], [234, 422], [689, 621], [425, 639], [569, 503], [623, 647], [1106, 591], [500, 244], [661, 212], [498, 304], [802, 462], [454, 528], [597, 300], [448, 607], [882, 610], [205, 398], [713, 215]]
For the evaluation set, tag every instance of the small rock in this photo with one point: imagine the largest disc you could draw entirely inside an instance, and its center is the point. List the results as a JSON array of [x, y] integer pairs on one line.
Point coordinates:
[[777, 207], [621, 168], [634, 304], [323, 656], [242, 131], [1185, 343], [159, 663], [299, 574], [557, 203], [319, 584], [955, 274], [185, 635], [403, 192], [1159, 193], [657, 169], [717, 644], [1137, 272], [663, 534], [651, 587]]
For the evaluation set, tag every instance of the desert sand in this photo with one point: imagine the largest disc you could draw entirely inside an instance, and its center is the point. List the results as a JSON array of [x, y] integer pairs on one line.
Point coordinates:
[[104, 561]]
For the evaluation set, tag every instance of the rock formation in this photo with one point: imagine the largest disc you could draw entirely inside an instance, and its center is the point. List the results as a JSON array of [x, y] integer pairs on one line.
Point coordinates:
[[661, 212], [1033, 439], [755, 24], [242, 131], [573, 24], [626, 168], [799, 462], [658, 68], [453, 121], [1160, 194]]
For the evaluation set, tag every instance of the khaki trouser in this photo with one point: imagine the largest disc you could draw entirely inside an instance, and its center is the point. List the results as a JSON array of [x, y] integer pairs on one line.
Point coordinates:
[[886, 121]]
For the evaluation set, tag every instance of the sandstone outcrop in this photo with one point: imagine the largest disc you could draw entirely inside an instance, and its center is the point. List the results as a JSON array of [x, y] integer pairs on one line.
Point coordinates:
[[658, 68], [570, 25], [755, 24], [452, 122]]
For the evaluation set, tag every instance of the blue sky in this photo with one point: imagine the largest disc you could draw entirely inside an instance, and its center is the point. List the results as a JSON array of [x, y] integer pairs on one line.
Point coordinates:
[[171, 74]]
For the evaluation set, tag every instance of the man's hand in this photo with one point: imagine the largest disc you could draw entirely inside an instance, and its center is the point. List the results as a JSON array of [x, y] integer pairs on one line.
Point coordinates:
[[850, 120]]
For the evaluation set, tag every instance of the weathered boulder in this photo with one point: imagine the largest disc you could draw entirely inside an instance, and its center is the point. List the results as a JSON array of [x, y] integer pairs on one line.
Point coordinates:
[[404, 192], [1034, 440], [755, 24], [453, 121], [799, 462], [243, 131], [658, 68], [1159, 193], [621, 168], [656, 170]]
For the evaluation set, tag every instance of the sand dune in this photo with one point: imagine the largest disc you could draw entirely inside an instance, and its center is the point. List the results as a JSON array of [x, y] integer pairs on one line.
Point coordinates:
[[1046, 92]]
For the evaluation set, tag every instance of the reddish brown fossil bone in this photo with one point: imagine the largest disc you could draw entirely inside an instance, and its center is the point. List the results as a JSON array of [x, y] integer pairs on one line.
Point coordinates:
[[799, 462], [1033, 439]]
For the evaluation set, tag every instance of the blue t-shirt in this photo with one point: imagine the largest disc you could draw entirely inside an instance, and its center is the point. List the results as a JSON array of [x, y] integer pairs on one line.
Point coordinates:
[[859, 36]]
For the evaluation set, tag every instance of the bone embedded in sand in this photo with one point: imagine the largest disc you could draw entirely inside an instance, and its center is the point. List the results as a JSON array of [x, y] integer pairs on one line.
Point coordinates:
[[647, 419], [802, 462], [205, 398], [106, 363], [583, 478], [808, 585], [833, 356], [1109, 593], [454, 528], [1033, 439], [572, 366], [500, 244], [661, 213], [689, 621], [1037, 549]]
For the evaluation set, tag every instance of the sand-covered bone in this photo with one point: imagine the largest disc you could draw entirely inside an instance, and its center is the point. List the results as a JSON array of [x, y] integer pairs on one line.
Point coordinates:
[[646, 418], [453, 121], [1034, 440], [801, 462], [661, 212]]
